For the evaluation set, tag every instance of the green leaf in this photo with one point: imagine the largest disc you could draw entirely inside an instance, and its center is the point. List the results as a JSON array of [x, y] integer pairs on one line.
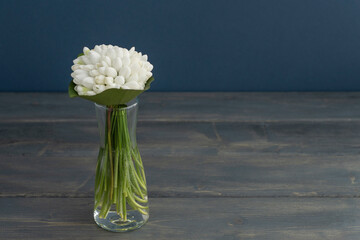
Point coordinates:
[[71, 90], [111, 96]]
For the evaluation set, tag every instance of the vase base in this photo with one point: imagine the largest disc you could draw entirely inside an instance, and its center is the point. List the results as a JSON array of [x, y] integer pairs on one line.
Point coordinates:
[[114, 223]]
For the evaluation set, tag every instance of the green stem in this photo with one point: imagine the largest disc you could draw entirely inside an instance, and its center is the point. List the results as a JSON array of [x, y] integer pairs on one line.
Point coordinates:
[[110, 153], [120, 177]]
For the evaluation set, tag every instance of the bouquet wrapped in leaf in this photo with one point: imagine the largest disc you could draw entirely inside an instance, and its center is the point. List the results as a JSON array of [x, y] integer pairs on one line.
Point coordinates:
[[112, 77]]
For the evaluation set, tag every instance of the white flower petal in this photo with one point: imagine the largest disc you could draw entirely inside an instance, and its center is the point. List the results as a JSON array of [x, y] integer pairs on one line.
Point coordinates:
[[88, 67], [108, 60], [104, 64], [76, 81], [98, 49], [86, 50], [133, 78], [111, 72], [144, 57], [81, 77], [98, 88], [126, 53], [102, 70], [85, 59], [110, 86], [126, 61], [119, 52], [75, 67], [132, 50], [100, 79], [80, 71], [94, 73], [88, 82], [148, 66], [90, 93], [132, 85], [109, 80], [125, 72], [119, 80], [94, 57], [111, 53], [117, 63]]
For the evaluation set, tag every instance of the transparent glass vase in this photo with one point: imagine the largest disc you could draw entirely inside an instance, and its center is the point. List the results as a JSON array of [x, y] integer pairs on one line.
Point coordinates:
[[121, 202]]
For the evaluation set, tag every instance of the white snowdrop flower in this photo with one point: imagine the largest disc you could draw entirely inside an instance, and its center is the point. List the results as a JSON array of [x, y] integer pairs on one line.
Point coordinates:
[[117, 63], [108, 66], [88, 67], [79, 88], [86, 50], [110, 86], [85, 59], [148, 66], [100, 79], [111, 53], [104, 64], [88, 82], [107, 59], [90, 93], [111, 72], [80, 77], [80, 71], [94, 73], [75, 67], [98, 49], [109, 81], [119, 52], [126, 53], [131, 85], [94, 57], [98, 88], [76, 81], [134, 78], [126, 61], [132, 51], [125, 72], [102, 70], [119, 80]]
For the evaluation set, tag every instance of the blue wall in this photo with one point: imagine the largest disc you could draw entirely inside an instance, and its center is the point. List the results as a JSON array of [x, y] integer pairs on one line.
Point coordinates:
[[223, 45]]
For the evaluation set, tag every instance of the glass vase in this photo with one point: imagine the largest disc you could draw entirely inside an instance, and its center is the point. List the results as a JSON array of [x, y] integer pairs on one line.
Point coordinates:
[[121, 202]]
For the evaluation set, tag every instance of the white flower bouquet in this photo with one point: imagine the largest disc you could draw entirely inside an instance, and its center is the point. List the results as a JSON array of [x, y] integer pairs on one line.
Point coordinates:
[[111, 77]]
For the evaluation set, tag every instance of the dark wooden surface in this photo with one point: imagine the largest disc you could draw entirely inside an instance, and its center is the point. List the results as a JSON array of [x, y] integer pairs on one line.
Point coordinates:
[[219, 166]]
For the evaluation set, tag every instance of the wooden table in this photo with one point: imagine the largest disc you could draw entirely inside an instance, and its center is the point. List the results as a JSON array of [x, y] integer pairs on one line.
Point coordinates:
[[219, 166]]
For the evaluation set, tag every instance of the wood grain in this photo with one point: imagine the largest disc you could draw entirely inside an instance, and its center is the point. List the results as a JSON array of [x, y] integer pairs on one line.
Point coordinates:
[[215, 107], [219, 166], [197, 219], [189, 159]]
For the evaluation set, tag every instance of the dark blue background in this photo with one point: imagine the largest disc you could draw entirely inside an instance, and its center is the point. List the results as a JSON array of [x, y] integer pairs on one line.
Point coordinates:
[[243, 45]]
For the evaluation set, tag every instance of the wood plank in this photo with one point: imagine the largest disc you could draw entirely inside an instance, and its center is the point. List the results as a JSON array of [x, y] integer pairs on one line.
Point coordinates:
[[189, 159], [176, 218], [215, 107]]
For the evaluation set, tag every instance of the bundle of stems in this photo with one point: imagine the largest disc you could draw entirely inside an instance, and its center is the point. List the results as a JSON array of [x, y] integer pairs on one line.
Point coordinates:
[[120, 177]]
